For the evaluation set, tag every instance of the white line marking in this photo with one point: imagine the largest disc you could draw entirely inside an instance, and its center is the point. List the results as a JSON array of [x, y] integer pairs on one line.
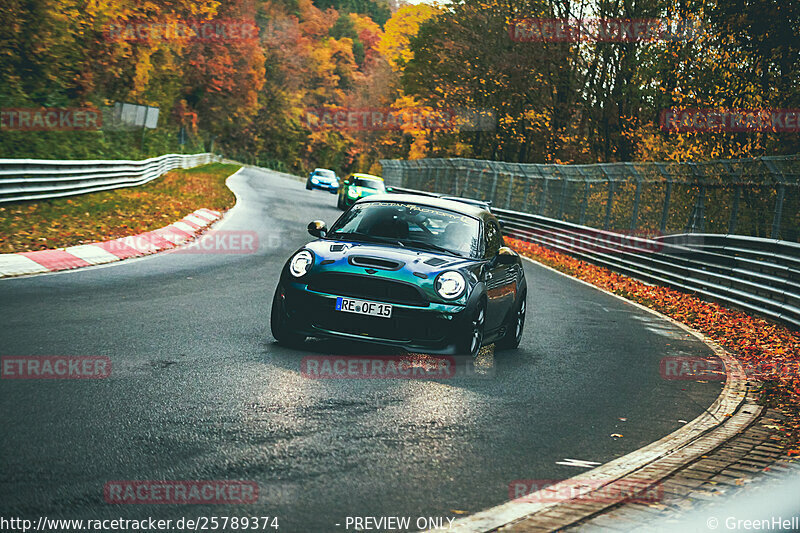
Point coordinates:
[[577, 462]]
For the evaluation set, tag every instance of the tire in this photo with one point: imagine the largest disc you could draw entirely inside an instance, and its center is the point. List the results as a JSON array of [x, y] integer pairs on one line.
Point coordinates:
[[308, 185], [473, 339], [339, 202], [279, 325], [515, 326]]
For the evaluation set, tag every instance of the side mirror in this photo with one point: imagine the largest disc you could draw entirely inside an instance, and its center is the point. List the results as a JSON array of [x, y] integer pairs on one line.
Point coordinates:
[[506, 256], [317, 228]]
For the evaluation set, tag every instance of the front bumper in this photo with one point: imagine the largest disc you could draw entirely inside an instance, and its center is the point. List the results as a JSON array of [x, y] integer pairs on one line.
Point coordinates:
[[325, 186], [436, 328]]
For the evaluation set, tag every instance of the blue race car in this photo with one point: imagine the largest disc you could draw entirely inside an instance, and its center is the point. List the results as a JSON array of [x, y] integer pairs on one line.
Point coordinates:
[[323, 178], [420, 273]]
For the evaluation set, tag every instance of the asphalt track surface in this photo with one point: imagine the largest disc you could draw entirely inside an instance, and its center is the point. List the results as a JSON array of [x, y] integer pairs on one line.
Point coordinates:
[[200, 391]]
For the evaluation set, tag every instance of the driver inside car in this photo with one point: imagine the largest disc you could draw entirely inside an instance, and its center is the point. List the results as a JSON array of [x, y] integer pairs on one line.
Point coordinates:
[[455, 236]]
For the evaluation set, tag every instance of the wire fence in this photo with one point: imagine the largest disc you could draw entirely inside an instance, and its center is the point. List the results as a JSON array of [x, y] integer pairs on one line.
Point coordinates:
[[757, 197]]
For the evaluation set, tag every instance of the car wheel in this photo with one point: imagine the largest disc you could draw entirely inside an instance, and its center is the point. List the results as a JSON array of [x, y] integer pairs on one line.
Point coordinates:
[[279, 323], [473, 340], [308, 185], [340, 202], [516, 323]]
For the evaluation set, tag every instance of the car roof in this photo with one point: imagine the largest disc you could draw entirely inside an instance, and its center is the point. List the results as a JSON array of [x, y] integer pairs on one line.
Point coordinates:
[[368, 176], [481, 203], [327, 169], [429, 201]]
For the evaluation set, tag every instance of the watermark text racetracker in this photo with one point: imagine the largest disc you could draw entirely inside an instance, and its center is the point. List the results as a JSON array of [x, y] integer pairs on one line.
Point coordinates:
[[603, 30], [379, 119], [198, 523], [594, 490], [228, 242], [211, 242], [180, 492], [50, 119], [730, 120], [407, 366], [713, 369], [55, 367]]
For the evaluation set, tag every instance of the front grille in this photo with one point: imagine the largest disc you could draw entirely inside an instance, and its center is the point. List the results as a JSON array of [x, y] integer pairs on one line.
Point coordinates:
[[368, 288]]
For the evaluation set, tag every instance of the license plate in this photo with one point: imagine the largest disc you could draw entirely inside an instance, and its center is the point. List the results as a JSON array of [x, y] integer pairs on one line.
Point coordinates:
[[360, 307]]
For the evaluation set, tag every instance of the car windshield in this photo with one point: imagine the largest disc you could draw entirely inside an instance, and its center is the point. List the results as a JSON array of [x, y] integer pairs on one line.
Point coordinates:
[[368, 183], [411, 226], [323, 173]]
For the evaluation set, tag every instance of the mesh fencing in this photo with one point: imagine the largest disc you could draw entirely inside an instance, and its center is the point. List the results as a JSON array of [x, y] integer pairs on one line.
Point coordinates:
[[758, 197]]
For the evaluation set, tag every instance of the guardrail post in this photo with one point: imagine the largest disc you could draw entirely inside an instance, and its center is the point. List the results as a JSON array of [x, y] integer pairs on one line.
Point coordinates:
[[510, 174], [735, 209], [526, 206], [609, 199], [667, 195], [697, 218], [494, 187], [481, 184], [737, 193], [563, 199], [454, 172], [543, 198], [637, 196], [585, 202], [776, 219], [403, 174]]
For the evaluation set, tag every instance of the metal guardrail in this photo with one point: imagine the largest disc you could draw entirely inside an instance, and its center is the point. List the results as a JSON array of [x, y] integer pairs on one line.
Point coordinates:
[[35, 179], [758, 197], [754, 274]]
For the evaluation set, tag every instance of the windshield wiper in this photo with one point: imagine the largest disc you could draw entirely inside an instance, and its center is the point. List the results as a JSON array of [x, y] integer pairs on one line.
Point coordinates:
[[431, 246]]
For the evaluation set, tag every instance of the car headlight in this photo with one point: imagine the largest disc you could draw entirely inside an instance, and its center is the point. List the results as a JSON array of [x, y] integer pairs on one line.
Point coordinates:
[[314, 180], [450, 285], [300, 263], [352, 192]]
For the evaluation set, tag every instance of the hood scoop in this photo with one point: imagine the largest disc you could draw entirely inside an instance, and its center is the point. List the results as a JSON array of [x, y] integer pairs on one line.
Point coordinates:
[[436, 261], [338, 247], [375, 262]]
